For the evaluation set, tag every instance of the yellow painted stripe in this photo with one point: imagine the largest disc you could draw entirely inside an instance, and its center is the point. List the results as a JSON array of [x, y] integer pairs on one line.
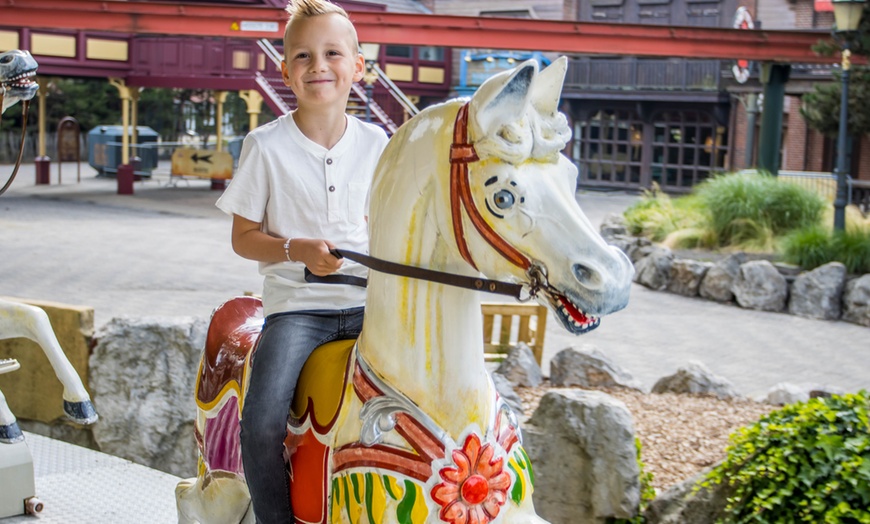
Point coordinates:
[[230, 386], [420, 511]]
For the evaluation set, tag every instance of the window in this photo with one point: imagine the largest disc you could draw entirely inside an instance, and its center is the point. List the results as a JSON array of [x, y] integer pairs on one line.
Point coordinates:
[[399, 51], [431, 53]]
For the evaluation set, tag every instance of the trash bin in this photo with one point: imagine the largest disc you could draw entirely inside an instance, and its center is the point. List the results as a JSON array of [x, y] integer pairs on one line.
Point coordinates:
[[234, 148], [104, 150]]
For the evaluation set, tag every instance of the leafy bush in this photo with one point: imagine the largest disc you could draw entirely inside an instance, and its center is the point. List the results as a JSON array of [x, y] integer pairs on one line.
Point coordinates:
[[807, 462], [647, 491], [656, 215], [748, 207], [812, 247]]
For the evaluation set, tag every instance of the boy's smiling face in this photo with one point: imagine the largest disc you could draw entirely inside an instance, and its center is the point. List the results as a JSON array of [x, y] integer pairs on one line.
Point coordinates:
[[320, 60]]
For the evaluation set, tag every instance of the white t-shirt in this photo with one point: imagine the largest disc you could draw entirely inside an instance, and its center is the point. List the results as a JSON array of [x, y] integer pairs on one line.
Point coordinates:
[[298, 189]]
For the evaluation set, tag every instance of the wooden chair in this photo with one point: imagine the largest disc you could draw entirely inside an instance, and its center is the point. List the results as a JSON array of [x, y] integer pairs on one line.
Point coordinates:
[[530, 327]]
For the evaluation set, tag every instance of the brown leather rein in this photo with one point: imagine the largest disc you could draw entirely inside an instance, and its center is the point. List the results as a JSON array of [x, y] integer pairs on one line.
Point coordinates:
[[26, 107], [462, 153]]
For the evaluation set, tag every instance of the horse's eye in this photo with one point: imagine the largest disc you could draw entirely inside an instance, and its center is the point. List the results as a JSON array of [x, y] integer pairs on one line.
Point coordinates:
[[504, 199]]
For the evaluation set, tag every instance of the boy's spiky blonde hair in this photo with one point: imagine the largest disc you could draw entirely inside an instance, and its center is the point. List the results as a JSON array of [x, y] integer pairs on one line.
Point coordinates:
[[301, 9], [307, 8]]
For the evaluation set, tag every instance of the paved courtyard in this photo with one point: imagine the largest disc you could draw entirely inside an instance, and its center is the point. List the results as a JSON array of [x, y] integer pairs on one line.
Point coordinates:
[[165, 251]]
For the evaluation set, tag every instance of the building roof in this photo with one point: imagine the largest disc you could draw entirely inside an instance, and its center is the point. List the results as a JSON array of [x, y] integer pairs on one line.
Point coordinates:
[[402, 6]]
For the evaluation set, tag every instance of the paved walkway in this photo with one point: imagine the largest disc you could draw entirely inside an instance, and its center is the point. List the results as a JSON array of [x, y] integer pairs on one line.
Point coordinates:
[[166, 251]]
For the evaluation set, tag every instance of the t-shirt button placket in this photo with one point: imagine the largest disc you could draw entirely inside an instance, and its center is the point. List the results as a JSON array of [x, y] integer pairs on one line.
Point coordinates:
[[332, 203]]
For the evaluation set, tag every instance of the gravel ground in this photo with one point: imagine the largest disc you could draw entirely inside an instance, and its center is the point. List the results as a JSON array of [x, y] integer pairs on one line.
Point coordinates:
[[680, 434]]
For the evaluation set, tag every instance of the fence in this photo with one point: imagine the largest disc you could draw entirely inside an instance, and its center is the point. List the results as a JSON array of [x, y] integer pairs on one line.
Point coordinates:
[[10, 141], [824, 184]]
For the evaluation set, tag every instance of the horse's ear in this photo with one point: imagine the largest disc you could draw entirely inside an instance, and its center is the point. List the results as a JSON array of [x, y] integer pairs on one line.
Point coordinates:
[[503, 98], [547, 88]]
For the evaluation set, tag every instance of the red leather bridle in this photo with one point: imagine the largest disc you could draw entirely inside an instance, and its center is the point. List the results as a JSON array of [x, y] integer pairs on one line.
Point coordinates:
[[462, 153]]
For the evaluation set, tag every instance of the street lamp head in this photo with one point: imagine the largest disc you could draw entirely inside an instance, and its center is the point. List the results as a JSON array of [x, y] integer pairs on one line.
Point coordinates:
[[847, 14], [370, 51]]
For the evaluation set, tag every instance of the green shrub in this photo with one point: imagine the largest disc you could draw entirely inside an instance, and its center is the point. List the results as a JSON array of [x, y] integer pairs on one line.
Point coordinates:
[[807, 462], [811, 247], [808, 248], [656, 215], [647, 491], [852, 248], [747, 207]]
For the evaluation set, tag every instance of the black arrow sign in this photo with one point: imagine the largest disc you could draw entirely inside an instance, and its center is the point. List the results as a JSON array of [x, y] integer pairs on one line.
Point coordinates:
[[205, 158]]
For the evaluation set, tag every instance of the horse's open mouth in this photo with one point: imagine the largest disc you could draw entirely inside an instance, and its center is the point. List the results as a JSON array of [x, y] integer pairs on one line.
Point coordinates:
[[22, 82], [574, 319]]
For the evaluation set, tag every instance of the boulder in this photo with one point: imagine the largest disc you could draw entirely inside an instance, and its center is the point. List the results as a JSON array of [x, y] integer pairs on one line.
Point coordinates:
[[818, 293], [506, 391], [688, 502], [760, 286], [586, 366], [143, 373], [613, 224], [581, 444], [718, 280], [686, 276], [654, 270], [696, 378], [788, 393], [520, 368], [856, 301]]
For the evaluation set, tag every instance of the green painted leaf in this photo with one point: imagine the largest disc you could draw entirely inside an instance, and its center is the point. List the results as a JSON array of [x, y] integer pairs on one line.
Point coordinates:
[[403, 512]]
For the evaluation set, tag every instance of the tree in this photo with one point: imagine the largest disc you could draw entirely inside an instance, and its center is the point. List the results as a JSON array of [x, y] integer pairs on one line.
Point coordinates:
[[821, 107]]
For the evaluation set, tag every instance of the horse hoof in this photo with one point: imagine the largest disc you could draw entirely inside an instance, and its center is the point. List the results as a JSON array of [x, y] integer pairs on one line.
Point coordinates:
[[81, 412], [10, 434]]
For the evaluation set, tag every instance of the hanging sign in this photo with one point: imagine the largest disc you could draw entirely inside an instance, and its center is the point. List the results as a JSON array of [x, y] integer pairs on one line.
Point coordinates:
[[204, 163], [742, 69]]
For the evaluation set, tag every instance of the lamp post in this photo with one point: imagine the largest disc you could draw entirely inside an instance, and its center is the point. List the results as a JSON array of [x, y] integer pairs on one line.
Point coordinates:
[[847, 16], [370, 52]]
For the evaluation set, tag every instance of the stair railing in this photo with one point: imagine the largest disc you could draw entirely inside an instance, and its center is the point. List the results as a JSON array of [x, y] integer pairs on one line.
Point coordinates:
[[358, 90], [397, 93]]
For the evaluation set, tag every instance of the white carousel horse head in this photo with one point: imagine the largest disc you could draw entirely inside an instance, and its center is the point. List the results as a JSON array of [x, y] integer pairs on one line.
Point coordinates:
[[406, 426], [17, 69], [26, 321], [523, 189]]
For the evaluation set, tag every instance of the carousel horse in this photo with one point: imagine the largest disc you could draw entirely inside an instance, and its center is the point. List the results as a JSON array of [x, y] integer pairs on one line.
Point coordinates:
[[26, 321], [404, 424], [17, 69]]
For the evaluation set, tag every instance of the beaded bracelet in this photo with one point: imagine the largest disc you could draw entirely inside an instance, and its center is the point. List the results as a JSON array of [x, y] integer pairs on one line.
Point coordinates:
[[287, 250]]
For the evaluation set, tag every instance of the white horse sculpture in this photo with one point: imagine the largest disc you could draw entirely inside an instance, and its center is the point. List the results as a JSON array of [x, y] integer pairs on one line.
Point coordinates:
[[22, 320], [405, 426], [17, 69]]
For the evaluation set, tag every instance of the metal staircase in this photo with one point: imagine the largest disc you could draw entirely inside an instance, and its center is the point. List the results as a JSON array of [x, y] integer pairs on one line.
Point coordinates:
[[394, 106]]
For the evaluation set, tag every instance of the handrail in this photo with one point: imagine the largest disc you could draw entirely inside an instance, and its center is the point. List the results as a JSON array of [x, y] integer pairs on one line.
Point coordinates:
[[397, 93], [271, 93], [376, 109], [270, 51]]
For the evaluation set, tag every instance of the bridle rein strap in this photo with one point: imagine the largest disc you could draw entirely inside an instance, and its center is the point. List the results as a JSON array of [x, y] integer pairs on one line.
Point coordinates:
[[462, 153], [402, 270], [24, 111]]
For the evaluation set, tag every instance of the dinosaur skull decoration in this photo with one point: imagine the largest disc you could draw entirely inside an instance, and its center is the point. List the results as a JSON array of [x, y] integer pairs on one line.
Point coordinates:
[[17, 69]]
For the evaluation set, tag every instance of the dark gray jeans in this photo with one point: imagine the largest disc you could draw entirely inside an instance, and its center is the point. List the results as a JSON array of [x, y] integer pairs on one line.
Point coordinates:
[[285, 344]]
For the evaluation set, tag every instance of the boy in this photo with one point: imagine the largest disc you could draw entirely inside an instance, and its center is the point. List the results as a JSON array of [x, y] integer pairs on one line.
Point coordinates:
[[301, 189]]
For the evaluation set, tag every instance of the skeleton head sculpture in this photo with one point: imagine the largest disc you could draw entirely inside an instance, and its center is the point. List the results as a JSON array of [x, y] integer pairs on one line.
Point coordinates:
[[17, 69]]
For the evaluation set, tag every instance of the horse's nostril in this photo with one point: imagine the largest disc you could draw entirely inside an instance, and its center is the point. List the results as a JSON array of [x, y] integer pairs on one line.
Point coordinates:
[[583, 273]]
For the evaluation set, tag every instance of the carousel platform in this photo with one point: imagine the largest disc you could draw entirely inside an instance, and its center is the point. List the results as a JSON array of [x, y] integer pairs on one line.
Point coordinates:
[[81, 486]]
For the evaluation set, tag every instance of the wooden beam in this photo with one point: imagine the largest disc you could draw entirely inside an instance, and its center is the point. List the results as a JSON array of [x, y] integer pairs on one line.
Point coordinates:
[[137, 17]]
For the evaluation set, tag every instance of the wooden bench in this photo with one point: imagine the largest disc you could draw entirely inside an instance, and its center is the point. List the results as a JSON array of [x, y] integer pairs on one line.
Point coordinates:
[[507, 324]]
